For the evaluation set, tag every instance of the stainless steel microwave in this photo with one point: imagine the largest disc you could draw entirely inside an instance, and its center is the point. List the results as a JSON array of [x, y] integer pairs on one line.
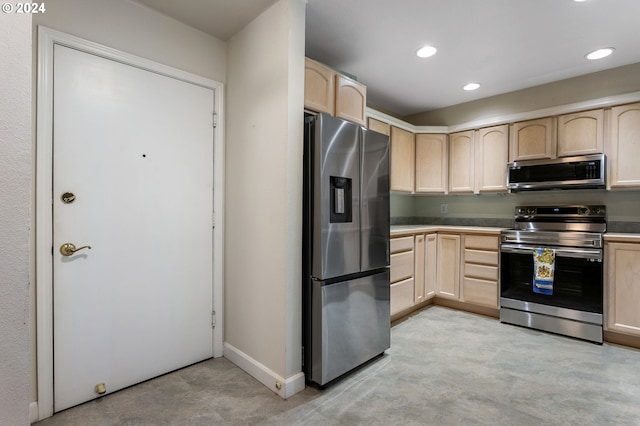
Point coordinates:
[[583, 172]]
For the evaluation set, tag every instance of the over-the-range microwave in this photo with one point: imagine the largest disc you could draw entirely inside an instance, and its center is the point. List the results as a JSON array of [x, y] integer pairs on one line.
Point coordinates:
[[582, 172]]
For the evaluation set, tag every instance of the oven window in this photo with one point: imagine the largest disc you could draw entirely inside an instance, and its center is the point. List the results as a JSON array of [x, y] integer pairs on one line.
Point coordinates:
[[577, 283]]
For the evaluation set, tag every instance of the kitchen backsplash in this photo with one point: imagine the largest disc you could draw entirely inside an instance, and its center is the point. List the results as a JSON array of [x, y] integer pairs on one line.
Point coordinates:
[[623, 207]]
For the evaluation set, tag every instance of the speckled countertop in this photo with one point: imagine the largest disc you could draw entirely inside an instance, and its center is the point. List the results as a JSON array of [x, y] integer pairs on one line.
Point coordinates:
[[415, 229], [398, 230]]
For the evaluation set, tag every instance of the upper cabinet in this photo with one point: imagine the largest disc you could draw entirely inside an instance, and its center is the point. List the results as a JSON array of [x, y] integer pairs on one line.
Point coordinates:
[[461, 162], [581, 133], [491, 156], [319, 87], [431, 163], [623, 146], [379, 126], [533, 139], [351, 100], [402, 160], [328, 91], [567, 135]]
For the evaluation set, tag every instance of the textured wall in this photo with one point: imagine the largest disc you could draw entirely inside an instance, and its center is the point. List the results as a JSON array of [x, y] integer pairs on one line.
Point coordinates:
[[15, 184]]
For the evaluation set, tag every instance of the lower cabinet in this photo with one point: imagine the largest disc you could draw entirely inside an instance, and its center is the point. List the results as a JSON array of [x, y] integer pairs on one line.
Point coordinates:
[[402, 274], [622, 278], [480, 270], [455, 266], [448, 269]]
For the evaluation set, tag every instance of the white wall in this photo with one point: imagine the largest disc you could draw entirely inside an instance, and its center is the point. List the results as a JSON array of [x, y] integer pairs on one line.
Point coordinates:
[[131, 27], [265, 90], [15, 184]]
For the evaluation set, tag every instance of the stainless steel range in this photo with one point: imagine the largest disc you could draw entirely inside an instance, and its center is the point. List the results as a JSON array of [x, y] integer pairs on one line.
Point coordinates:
[[571, 302]]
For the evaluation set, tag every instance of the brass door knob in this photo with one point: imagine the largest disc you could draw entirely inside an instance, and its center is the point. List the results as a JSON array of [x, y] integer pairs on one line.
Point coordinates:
[[67, 249]]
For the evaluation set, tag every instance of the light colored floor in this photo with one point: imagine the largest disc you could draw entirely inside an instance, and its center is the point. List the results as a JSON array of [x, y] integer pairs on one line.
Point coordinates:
[[445, 367]]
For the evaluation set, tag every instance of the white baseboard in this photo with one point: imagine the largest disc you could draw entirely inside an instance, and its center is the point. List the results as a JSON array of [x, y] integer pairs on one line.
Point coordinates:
[[285, 388], [33, 412]]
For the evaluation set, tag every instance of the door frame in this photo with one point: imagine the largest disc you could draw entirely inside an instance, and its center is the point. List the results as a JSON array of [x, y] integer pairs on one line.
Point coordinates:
[[47, 38]]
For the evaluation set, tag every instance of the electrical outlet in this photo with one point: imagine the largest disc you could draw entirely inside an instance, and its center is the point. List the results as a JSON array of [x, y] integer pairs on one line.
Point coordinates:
[[443, 208]]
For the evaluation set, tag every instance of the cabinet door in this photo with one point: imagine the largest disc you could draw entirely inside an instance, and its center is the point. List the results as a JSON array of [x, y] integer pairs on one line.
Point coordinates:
[[581, 133], [533, 139], [402, 160], [379, 126], [319, 87], [461, 162], [430, 265], [448, 273], [418, 277], [623, 290], [351, 100], [492, 155], [431, 163], [623, 148]]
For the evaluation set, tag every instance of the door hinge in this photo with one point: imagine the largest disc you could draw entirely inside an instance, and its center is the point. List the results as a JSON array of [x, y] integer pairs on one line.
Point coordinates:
[[213, 319], [213, 217], [215, 120]]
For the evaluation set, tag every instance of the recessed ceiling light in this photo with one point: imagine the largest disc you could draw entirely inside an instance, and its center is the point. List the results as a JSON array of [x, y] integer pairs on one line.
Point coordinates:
[[580, 0], [471, 86], [600, 53], [426, 51]]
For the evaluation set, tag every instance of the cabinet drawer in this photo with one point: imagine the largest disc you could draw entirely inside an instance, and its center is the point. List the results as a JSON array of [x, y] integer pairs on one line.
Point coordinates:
[[481, 256], [401, 295], [482, 242], [480, 292], [485, 272], [401, 244], [401, 266]]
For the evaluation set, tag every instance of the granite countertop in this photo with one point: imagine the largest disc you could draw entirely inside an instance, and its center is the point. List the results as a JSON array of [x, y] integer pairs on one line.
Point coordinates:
[[414, 229]]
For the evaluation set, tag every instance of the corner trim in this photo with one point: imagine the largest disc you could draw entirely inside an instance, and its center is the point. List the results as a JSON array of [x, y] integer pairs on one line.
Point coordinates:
[[263, 374]]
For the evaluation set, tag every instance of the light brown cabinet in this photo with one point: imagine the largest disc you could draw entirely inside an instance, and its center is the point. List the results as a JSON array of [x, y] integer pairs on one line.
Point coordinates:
[[319, 87], [581, 133], [402, 160], [402, 273], [328, 91], [623, 287], [491, 157], [431, 265], [461, 162], [419, 274], [379, 126], [480, 270], [431, 163], [533, 139], [623, 147], [351, 99], [448, 269]]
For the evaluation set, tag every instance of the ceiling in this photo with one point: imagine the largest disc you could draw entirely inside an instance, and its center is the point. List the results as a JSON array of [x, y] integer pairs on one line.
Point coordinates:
[[504, 45]]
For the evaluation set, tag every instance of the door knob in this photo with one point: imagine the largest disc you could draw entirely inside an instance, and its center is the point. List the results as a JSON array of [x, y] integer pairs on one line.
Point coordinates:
[[67, 249]]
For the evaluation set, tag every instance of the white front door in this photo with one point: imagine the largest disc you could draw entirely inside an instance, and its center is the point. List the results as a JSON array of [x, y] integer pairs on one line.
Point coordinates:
[[132, 179]]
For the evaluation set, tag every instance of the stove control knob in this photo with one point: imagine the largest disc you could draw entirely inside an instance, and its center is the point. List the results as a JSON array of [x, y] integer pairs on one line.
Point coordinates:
[[531, 210], [521, 211], [597, 210], [583, 210]]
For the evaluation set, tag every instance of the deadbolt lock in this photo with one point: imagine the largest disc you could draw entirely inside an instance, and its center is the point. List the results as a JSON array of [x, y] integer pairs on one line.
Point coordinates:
[[68, 197]]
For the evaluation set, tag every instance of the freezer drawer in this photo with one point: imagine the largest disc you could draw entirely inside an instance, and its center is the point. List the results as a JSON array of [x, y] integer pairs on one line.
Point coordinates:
[[350, 325]]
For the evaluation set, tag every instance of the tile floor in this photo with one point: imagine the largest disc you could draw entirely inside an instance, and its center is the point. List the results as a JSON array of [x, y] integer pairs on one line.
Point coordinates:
[[445, 367]]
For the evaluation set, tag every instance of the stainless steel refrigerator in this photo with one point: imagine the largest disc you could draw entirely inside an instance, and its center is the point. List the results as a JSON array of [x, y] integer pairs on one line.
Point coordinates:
[[345, 247]]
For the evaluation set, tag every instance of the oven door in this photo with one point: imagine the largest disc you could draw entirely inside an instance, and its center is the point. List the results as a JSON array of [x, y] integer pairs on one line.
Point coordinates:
[[577, 284]]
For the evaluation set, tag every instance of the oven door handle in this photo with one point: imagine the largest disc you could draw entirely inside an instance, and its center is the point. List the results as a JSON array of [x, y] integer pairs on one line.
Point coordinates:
[[578, 253]]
